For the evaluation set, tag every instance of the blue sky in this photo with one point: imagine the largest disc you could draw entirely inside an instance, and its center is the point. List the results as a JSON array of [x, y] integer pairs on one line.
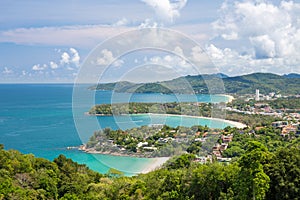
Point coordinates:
[[47, 41]]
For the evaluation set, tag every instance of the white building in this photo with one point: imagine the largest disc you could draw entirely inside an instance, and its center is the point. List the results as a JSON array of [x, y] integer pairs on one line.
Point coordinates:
[[257, 95]]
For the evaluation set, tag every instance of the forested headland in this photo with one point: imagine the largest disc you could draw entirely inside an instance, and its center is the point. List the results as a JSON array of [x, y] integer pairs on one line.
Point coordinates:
[[257, 173]]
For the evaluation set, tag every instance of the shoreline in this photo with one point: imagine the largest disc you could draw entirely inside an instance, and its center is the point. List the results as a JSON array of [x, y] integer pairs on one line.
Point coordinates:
[[234, 123], [156, 163], [230, 97], [93, 151]]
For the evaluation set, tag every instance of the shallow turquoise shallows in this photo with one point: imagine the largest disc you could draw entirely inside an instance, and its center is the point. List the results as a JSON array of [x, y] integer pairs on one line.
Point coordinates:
[[38, 119]]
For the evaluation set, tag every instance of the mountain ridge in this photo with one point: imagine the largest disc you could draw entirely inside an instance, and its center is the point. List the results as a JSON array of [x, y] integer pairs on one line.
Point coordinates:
[[243, 84]]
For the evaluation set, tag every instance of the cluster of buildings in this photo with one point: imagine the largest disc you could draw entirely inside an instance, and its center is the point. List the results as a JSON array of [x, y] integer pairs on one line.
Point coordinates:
[[287, 129], [260, 97], [264, 108], [217, 150]]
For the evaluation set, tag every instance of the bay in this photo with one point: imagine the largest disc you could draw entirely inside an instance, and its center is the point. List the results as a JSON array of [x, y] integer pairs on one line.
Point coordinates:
[[38, 119]]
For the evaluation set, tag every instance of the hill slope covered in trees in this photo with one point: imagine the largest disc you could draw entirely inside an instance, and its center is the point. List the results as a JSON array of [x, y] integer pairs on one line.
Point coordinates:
[[245, 84], [257, 173]]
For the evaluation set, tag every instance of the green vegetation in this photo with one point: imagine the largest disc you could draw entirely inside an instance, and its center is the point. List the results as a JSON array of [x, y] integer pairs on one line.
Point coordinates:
[[291, 103], [27, 177], [268, 136], [195, 109], [152, 141], [257, 174], [245, 84], [251, 120]]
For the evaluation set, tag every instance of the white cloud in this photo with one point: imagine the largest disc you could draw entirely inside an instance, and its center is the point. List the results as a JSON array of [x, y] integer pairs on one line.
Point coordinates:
[[69, 61], [148, 23], [264, 47], [75, 56], [232, 62], [65, 58], [262, 33], [199, 57], [71, 57], [178, 50], [81, 36], [107, 58], [53, 65], [7, 71], [39, 67], [166, 10], [121, 22], [172, 62]]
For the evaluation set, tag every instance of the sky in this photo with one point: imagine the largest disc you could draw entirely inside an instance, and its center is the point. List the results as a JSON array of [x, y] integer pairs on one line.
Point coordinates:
[[50, 41]]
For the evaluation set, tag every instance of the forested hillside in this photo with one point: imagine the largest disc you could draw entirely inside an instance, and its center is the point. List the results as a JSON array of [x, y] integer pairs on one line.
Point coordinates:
[[245, 84], [257, 173]]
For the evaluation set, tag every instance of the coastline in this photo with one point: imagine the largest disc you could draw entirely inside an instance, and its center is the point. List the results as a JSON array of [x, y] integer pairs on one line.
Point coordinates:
[[155, 164], [234, 123], [230, 97]]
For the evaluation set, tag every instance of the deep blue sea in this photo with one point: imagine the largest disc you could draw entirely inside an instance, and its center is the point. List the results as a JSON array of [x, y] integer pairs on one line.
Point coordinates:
[[38, 119]]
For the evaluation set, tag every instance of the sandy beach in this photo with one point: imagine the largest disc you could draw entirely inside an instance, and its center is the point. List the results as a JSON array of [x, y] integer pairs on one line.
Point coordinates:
[[230, 98], [155, 164], [233, 123]]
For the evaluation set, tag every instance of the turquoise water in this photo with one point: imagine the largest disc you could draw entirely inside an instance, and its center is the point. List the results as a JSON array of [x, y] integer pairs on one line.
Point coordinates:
[[38, 119]]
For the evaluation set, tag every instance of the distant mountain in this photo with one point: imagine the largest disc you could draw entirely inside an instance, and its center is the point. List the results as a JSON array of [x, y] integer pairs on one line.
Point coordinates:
[[291, 75], [244, 84]]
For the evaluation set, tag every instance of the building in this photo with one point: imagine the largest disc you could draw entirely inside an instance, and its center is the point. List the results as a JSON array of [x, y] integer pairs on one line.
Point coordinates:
[[279, 124], [257, 95]]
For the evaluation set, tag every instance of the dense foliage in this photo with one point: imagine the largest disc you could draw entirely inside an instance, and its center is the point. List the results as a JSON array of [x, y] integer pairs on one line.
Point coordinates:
[[151, 141], [257, 174], [27, 177], [245, 84], [290, 103], [195, 109]]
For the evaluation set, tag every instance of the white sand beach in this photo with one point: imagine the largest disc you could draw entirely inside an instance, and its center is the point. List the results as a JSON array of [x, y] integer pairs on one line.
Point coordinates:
[[155, 164], [233, 123], [230, 98]]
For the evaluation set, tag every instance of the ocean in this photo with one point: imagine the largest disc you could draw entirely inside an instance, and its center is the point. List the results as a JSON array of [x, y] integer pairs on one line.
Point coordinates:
[[39, 119]]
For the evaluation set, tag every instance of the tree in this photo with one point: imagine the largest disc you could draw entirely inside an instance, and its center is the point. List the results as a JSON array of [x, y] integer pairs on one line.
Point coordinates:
[[284, 173], [253, 181], [114, 173], [183, 161]]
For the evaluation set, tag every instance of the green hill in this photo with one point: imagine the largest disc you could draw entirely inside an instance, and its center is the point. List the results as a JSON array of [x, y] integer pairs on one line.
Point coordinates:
[[245, 84]]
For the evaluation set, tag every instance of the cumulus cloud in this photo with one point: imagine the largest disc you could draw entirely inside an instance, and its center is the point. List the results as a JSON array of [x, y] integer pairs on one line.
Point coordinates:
[[264, 46], [39, 67], [75, 56], [148, 23], [53, 65], [107, 58], [166, 10], [121, 22], [71, 57], [231, 62], [7, 71], [69, 61], [261, 33], [65, 58]]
